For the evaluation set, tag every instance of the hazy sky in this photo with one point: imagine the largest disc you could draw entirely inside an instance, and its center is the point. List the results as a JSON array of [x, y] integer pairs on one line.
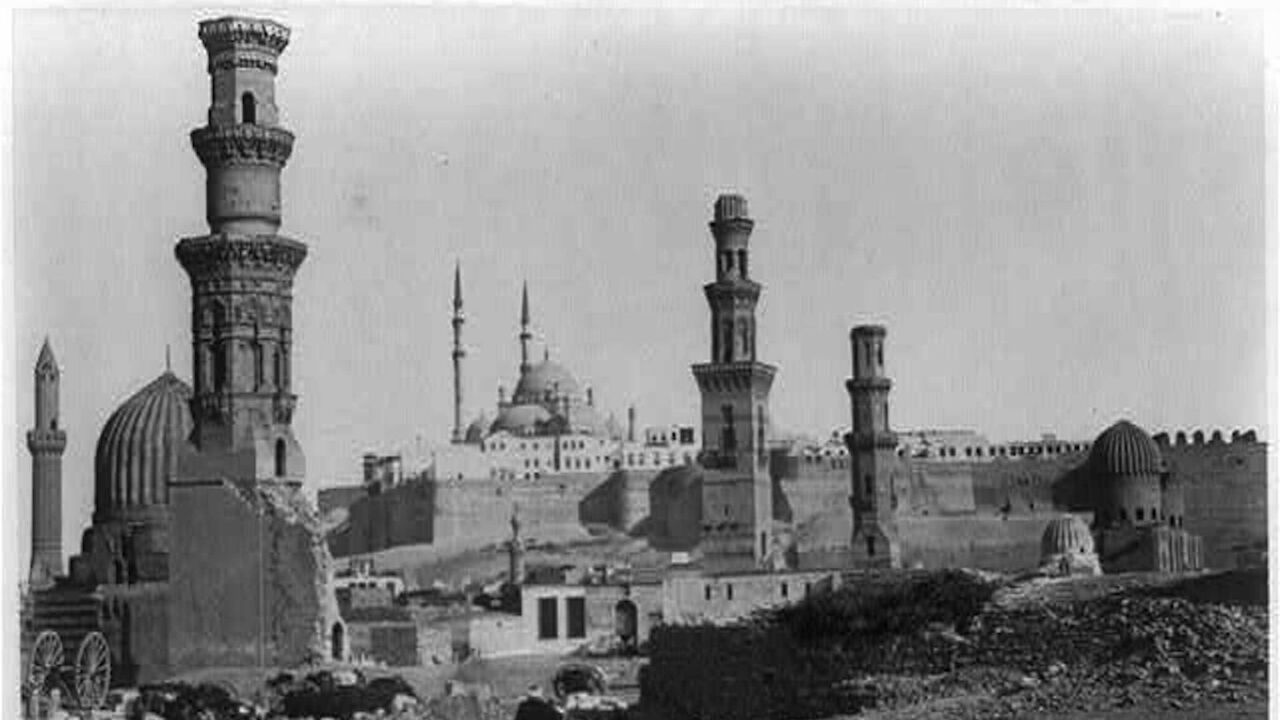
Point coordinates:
[[1058, 215]]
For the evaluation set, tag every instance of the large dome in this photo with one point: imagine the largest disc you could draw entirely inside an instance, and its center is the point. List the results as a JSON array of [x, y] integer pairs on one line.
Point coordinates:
[[521, 419], [546, 377], [1066, 535], [137, 452], [1124, 449]]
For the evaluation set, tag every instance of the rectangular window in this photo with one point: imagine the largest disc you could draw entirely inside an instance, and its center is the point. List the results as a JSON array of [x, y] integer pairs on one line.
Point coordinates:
[[547, 620], [784, 589], [728, 591], [577, 608], [707, 592]]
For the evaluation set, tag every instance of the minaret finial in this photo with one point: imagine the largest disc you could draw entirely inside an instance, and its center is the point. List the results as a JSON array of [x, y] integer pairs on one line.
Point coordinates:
[[168, 364], [525, 335], [546, 353], [457, 285]]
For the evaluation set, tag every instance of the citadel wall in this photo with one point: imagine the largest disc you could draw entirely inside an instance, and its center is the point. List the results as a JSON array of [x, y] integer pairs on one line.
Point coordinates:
[[1225, 486], [987, 514]]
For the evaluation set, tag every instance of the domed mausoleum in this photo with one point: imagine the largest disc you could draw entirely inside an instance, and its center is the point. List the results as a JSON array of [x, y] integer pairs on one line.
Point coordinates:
[[1137, 508], [135, 460], [1066, 548]]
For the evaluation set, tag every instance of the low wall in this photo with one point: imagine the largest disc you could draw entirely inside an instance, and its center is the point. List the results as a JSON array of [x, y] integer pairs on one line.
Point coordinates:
[[984, 541]]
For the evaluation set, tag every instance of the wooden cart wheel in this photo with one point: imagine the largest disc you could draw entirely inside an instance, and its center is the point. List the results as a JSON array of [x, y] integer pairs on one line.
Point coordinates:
[[93, 671], [46, 658]]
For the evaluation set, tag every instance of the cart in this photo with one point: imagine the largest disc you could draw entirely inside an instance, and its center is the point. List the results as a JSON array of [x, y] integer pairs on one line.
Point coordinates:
[[82, 685]]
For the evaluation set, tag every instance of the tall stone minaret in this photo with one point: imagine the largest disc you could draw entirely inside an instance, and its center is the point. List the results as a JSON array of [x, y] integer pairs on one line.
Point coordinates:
[[242, 272], [458, 353], [872, 451], [525, 335], [46, 441], [735, 399]]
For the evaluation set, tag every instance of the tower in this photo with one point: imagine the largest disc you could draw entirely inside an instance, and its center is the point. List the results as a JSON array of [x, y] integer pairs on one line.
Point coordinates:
[[737, 490], [515, 551], [46, 441], [242, 271], [872, 452], [525, 335], [458, 353]]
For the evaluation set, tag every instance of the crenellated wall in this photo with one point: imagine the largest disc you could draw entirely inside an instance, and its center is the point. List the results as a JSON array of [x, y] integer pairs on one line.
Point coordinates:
[[983, 514]]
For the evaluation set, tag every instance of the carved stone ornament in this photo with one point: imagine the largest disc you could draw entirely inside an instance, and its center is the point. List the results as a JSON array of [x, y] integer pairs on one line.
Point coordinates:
[[228, 32], [219, 146], [209, 253]]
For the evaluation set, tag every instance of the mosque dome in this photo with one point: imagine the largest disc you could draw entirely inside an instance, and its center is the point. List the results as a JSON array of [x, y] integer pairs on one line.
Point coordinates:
[[137, 453], [1123, 450], [546, 377], [521, 419], [1066, 535]]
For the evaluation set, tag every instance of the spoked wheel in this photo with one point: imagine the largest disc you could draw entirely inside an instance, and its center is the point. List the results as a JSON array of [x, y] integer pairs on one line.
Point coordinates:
[[93, 671], [46, 659]]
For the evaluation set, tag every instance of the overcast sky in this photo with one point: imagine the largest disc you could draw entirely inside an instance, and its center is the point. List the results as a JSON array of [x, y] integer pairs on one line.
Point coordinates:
[[1058, 215]]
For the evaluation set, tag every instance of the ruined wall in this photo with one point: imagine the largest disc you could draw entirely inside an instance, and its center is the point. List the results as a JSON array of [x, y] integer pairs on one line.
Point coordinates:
[[138, 630], [250, 566], [621, 502], [986, 541]]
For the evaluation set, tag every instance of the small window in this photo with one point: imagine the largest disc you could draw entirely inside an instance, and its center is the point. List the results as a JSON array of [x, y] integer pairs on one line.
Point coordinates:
[[871, 547], [728, 591], [706, 592], [1121, 514], [577, 610], [1137, 514], [784, 589], [547, 620], [280, 458], [248, 109]]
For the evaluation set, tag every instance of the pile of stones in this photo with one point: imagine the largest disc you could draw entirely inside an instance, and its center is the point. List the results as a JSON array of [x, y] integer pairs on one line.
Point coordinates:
[[1111, 652]]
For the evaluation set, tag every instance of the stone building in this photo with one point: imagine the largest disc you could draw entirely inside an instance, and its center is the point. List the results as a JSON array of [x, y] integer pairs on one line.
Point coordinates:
[[1066, 548], [1139, 512]]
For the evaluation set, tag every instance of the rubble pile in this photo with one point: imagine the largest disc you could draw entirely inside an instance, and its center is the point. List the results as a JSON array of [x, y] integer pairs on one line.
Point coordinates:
[[1113, 652]]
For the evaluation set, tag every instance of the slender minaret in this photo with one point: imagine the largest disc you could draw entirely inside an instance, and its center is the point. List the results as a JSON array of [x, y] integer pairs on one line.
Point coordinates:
[[242, 272], [737, 492], [458, 353], [525, 335], [46, 441], [872, 451], [515, 550]]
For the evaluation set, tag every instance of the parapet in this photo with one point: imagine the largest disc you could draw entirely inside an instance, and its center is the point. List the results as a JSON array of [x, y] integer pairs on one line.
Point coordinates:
[[1197, 437], [867, 331], [230, 32]]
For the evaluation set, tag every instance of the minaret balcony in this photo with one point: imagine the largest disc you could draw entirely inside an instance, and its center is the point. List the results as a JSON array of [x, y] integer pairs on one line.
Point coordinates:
[[245, 144]]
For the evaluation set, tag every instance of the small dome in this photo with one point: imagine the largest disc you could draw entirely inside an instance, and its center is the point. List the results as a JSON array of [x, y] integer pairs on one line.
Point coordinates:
[[1125, 449], [520, 419], [137, 453], [546, 377], [1066, 535], [477, 430]]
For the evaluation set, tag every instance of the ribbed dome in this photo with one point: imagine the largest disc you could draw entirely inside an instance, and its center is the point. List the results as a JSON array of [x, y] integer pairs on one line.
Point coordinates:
[[1064, 536], [137, 451], [546, 377], [1125, 449], [521, 419]]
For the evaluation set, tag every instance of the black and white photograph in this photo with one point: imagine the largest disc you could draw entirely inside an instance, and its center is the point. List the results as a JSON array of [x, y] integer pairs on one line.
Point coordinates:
[[668, 361]]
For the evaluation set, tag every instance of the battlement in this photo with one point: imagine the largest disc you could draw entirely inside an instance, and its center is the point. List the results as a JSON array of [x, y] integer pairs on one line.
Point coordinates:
[[1182, 438]]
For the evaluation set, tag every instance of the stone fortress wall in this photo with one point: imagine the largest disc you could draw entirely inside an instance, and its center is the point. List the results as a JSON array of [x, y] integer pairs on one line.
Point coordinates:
[[987, 514]]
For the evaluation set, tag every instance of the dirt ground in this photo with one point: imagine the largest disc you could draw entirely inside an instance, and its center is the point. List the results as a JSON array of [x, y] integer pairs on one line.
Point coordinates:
[[928, 711]]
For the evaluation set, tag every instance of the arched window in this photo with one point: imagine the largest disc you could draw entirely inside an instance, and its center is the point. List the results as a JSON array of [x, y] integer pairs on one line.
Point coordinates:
[[280, 458], [248, 109], [219, 367], [742, 263]]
